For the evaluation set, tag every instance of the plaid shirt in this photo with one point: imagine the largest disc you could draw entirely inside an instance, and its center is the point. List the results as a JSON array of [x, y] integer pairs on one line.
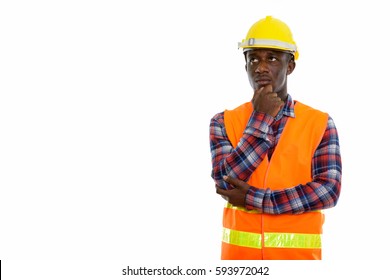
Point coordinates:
[[259, 139]]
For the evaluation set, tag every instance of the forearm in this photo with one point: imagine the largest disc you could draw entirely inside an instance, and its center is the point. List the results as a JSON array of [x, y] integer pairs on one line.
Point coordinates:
[[316, 195], [242, 160]]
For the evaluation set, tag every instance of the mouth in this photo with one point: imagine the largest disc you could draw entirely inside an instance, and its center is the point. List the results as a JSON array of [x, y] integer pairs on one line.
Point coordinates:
[[263, 82]]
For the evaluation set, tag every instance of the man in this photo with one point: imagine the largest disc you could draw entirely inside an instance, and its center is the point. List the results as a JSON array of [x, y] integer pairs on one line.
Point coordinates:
[[275, 160]]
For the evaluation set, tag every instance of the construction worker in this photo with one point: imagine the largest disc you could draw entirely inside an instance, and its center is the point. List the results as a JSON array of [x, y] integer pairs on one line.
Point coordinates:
[[275, 160]]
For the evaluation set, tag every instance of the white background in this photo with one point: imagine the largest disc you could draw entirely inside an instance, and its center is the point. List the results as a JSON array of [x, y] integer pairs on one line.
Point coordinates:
[[104, 115]]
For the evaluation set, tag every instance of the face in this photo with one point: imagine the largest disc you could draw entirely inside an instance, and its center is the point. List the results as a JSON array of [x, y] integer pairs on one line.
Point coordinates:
[[268, 66]]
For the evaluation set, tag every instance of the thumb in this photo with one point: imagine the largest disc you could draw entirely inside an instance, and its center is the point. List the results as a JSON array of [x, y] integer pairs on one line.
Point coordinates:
[[268, 88]]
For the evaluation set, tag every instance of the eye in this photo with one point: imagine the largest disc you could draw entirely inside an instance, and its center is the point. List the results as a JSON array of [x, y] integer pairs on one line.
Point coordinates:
[[272, 58], [253, 61]]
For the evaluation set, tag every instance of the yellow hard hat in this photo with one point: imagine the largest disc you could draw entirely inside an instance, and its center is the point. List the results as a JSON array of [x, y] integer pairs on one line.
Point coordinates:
[[270, 33]]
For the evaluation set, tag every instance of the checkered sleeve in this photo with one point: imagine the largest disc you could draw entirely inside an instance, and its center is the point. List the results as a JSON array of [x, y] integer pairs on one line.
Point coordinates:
[[321, 193], [241, 161]]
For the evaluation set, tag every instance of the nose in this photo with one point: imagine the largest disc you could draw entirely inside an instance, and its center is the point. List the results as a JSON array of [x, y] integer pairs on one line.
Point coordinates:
[[262, 67]]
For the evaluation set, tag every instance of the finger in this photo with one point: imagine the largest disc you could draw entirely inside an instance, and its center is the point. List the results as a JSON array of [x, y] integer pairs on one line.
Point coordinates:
[[220, 191], [263, 90], [273, 95], [234, 181], [257, 93]]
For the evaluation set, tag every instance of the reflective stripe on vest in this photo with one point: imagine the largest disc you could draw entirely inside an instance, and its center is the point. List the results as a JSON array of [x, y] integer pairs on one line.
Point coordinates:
[[241, 238], [272, 239], [229, 205]]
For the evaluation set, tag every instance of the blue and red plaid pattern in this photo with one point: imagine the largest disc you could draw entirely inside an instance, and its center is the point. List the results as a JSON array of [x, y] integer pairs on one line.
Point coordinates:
[[259, 140]]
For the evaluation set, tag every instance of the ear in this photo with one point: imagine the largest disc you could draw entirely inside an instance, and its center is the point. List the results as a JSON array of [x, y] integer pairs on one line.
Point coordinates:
[[246, 67], [290, 66]]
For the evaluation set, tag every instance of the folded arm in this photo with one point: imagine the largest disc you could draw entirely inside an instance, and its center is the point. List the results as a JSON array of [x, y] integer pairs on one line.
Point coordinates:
[[321, 193]]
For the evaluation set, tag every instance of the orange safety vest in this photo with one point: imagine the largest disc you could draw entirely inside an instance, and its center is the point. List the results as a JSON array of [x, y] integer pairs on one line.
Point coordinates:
[[250, 235]]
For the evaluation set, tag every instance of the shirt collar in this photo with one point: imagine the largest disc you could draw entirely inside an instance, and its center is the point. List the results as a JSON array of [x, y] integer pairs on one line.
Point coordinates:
[[288, 109]]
